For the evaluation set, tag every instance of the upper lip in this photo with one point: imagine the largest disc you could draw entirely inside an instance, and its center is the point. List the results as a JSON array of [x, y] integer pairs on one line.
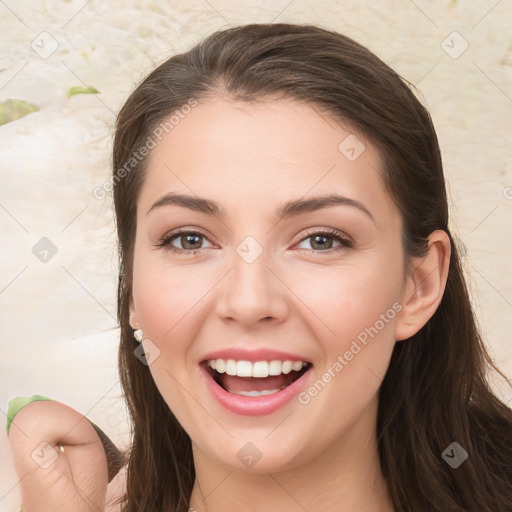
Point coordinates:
[[261, 354]]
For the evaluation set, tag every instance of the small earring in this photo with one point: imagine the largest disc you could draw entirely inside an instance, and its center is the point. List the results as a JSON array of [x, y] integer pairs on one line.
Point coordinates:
[[138, 335]]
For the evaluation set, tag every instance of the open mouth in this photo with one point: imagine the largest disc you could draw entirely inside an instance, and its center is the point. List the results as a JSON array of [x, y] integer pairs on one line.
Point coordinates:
[[281, 376]]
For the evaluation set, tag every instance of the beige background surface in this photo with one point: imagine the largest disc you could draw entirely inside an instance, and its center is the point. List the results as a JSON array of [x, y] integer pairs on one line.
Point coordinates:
[[59, 335]]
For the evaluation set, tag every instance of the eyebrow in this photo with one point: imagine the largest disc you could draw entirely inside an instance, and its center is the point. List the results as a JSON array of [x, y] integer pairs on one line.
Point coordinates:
[[291, 208]]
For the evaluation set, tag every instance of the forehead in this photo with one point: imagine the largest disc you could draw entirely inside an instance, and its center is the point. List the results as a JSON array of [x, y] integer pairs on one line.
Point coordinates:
[[250, 153]]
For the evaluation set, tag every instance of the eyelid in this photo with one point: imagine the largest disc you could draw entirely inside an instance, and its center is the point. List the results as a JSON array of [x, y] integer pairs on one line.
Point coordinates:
[[165, 241], [345, 241]]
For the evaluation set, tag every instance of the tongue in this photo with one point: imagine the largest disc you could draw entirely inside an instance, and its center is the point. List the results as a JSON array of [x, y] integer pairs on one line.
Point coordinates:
[[233, 384]]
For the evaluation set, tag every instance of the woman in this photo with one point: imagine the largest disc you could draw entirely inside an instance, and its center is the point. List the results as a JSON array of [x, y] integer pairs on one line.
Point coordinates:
[[308, 341]]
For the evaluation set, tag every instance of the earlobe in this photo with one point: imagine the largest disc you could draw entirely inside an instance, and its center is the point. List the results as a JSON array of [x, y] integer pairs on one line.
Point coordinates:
[[425, 286]]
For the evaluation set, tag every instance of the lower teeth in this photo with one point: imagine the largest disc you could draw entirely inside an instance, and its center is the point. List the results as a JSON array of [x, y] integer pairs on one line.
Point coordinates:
[[256, 393]]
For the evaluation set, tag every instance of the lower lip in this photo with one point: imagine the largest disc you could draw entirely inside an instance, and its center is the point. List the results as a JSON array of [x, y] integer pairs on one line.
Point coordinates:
[[255, 405]]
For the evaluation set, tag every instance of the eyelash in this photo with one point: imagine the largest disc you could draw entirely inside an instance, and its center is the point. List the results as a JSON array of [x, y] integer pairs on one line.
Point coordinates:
[[345, 243]]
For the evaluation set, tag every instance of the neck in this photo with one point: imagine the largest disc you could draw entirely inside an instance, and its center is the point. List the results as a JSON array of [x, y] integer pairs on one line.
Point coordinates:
[[345, 477]]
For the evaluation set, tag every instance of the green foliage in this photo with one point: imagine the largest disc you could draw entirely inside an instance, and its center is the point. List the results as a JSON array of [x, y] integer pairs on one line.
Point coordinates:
[[12, 109], [77, 89]]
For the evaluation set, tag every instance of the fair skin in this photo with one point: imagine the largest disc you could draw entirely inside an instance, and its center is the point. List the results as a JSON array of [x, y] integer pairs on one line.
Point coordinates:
[[75, 479], [251, 159], [298, 296]]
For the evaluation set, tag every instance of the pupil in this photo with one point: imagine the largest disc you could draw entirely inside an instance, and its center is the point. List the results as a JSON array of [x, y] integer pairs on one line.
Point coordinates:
[[188, 238], [321, 238]]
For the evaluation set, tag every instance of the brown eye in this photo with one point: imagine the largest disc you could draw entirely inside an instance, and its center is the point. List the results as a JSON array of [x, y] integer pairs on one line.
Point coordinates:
[[323, 241], [190, 241]]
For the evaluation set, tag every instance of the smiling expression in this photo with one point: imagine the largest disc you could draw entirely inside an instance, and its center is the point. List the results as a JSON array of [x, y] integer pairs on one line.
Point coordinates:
[[255, 232]]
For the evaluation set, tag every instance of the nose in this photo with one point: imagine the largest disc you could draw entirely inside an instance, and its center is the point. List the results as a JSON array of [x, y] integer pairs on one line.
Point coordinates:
[[252, 293]]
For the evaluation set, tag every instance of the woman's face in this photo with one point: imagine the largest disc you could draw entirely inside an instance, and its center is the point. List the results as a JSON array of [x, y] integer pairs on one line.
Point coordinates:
[[259, 274]]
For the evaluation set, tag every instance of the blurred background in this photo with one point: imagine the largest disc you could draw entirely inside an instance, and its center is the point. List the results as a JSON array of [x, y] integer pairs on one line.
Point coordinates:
[[66, 67]]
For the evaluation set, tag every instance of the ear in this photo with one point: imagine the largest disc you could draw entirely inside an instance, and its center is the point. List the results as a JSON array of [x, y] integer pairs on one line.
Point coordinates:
[[424, 287], [134, 323]]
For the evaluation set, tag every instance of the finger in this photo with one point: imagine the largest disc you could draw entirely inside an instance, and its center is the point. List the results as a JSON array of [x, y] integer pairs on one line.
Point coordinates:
[[115, 458], [51, 478]]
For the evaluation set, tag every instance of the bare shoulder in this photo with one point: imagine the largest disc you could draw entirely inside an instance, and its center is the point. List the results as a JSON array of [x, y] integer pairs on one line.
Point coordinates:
[[115, 491]]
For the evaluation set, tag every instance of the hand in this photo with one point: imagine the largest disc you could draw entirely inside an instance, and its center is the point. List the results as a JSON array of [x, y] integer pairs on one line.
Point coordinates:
[[52, 480]]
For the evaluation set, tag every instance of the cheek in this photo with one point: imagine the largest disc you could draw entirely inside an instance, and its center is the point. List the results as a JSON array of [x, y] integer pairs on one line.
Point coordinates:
[[355, 314], [349, 300], [167, 301], [360, 312], [166, 298]]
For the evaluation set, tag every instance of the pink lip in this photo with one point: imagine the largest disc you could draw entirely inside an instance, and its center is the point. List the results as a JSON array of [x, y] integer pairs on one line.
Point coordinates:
[[254, 405], [262, 354]]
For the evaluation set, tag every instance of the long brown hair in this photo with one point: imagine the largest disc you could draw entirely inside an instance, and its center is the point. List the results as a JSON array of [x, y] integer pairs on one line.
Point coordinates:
[[435, 391]]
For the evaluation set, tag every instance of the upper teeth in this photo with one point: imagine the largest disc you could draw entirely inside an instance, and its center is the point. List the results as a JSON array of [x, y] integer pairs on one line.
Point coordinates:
[[257, 369]]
